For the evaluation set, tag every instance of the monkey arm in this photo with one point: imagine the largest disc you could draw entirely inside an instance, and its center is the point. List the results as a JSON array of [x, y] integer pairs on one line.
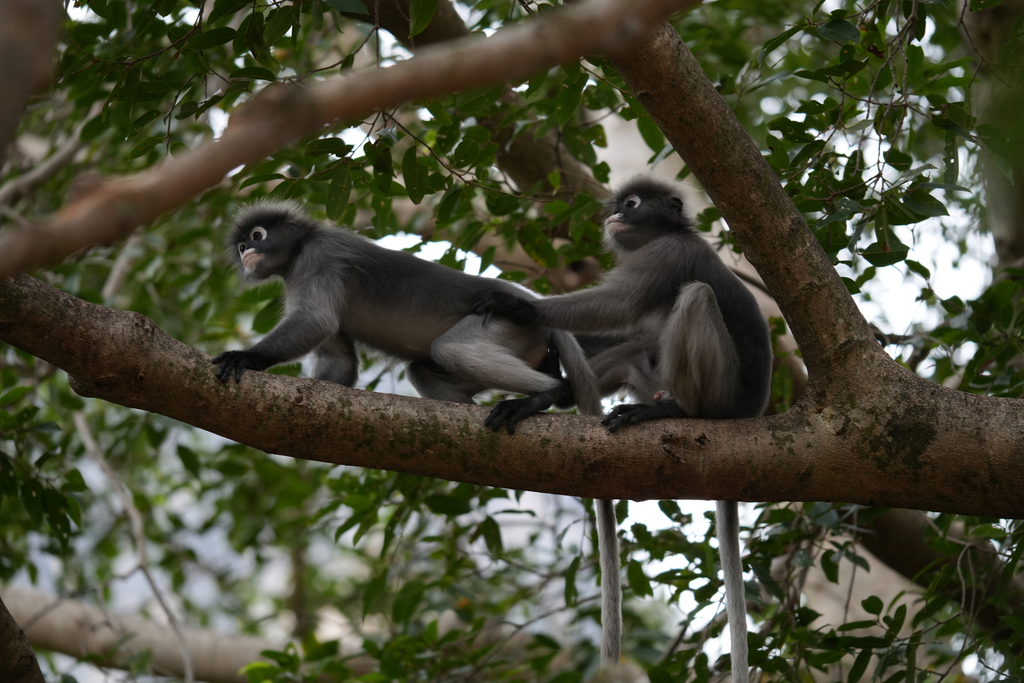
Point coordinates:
[[598, 309], [301, 330]]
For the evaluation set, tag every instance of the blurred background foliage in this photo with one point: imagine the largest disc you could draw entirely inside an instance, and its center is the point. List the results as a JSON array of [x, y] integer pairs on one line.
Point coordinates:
[[895, 125]]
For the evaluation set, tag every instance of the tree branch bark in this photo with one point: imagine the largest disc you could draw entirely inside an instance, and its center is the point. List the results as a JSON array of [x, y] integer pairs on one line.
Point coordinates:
[[18, 663], [279, 115], [944, 451], [81, 630]]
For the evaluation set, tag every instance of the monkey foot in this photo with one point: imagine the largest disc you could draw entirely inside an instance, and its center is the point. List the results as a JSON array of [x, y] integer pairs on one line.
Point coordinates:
[[635, 413], [514, 410]]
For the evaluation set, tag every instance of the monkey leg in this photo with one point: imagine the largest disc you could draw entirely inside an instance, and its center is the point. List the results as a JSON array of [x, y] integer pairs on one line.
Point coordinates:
[[502, 355], [698, 360], [697, 363], [627, 365], [497, 354], [336, 361], [437, 383]]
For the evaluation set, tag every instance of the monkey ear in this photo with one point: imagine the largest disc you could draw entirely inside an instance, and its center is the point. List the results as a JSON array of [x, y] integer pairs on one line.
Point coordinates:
[[678, 203]]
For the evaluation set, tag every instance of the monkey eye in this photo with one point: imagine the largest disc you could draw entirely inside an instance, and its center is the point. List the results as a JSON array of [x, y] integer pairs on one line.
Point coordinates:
[[241, 247], [258, 234], [632, 201]]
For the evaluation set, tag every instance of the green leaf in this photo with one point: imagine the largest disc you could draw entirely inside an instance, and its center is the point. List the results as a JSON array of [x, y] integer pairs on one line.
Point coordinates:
[[657, 674], [406, 601], [101, 8], [650, 132], [839, 30], [414, 175], [570, 582], [447, 505], [860, 665], [921, 202], [14, 394], [141, 122], [477, 99], [872, 605], [374, 589], [73, 482], [420, 14], [988, 531], [254, 72], [779, 40], [350, 6], [492, 535], [638, 581], [569, 96], [189, 460], [262, 178], [145, 146], [449, 201], [915, 267], [211, 38], [278, 23], [335, 146], [379, 155], [794, 131], [338, 193], [1016, 623], [224, 8], [998, 143]]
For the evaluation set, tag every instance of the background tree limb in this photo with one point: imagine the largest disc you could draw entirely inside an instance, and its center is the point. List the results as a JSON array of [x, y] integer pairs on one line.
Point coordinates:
[[279, 115]]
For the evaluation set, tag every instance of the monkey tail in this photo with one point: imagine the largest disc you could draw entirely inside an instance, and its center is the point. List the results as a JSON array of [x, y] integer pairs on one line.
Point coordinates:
[[728, 522], [588, 402], [579, 373], [611, 583]]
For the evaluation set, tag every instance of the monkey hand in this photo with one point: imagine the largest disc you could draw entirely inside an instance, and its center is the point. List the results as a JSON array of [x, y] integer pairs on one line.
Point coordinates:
[[233, 362], [635, 413], [517, 309]]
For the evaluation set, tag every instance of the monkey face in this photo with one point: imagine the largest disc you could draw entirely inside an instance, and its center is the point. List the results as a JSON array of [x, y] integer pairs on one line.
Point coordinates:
[[265, 238], [644, 210]]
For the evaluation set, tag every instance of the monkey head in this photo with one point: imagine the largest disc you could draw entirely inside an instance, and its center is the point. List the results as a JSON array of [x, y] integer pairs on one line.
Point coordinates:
[[642, 210], [265, 237]]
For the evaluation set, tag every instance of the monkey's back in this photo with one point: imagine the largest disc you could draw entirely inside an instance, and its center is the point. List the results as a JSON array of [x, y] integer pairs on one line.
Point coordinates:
[[391, 300]]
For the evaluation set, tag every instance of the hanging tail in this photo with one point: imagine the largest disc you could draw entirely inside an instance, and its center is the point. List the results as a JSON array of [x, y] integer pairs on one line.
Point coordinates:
[[728, 522]]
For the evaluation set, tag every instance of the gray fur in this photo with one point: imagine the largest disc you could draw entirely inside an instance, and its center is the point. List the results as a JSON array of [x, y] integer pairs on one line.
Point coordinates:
[[678, 320], [342, 289]]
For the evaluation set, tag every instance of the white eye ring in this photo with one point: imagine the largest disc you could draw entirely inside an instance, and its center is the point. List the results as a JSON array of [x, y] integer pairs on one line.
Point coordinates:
[[257, 234], [631, 202]]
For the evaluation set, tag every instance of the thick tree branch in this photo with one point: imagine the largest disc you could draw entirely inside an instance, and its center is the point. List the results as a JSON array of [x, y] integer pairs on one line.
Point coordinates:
[[17, 661], [943, 451], [279, 115], [81, 630]]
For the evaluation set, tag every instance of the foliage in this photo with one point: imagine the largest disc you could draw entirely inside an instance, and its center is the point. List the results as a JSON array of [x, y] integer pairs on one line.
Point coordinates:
[[864, 112]]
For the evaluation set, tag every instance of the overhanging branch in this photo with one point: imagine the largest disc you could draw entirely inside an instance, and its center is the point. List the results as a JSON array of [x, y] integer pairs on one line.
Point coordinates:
[[280, 115]]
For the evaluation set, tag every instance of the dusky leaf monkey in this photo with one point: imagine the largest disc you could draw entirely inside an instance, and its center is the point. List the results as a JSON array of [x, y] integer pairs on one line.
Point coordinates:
[[342, 289], [690, 332]]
